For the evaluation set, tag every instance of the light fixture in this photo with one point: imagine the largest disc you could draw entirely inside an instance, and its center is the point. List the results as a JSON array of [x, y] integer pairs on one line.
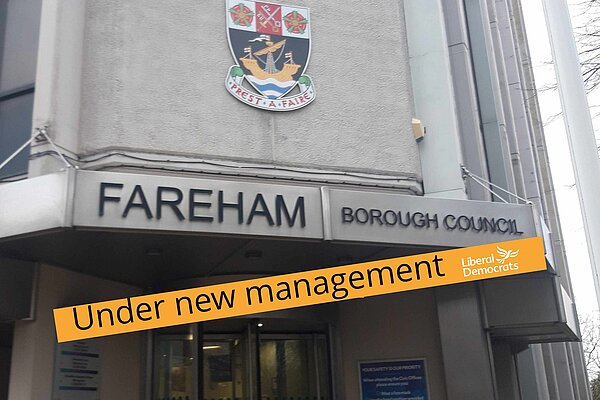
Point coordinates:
[[419, 131], [210, 347], [153, 252], [260, 324], [253, 254]]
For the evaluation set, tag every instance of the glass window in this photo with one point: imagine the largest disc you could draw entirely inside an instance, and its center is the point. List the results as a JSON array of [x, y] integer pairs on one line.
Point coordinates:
[[15, 128], [19, 34]]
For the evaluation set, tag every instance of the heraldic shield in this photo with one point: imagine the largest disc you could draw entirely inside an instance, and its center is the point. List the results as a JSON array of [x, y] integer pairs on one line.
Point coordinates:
[[270, 44]]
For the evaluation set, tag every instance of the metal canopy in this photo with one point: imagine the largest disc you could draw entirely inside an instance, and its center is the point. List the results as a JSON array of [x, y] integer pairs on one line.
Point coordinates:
[[153, 260]]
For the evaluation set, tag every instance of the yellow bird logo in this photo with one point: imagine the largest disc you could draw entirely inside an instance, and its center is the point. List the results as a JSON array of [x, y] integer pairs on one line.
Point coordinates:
[[505, 254]]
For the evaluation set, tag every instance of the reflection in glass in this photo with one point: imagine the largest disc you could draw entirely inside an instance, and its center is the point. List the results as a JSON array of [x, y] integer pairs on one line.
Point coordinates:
[[173, 367], [15, 129], [294, 369], [224, 369], [247, 365]]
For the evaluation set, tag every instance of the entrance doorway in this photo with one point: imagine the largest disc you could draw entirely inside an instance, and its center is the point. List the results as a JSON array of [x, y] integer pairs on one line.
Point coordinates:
[[253, 362]]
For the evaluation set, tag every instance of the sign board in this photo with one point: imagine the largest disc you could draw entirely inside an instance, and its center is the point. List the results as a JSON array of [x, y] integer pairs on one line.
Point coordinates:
[[393, 380], [416, 220], [109, 200], [150, 202], [77, 371]]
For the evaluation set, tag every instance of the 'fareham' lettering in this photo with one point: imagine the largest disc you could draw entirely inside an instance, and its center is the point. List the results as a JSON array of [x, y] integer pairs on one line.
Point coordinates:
[[201, 205]]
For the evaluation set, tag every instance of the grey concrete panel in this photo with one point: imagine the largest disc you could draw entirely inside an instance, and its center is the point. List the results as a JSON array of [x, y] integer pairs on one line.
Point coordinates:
[[465, 94], [35, 204], [505, 300], [579, 365], [500, 28], [456, 27], [154, 80], [433, 95], [512, 62], [467, 361], [468, 119], [532, 374], [506, 372], [489, 95], [58, 82], [564, 381]]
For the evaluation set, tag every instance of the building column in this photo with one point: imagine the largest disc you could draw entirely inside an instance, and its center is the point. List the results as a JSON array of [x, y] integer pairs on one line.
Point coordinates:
[[564, 381], [506, 371], [468, 364], [440, 151], [532, 374]]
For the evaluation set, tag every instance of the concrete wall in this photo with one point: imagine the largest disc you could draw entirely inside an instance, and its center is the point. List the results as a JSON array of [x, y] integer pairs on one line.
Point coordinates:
[[402, 326], [34, 344], [153, 72]]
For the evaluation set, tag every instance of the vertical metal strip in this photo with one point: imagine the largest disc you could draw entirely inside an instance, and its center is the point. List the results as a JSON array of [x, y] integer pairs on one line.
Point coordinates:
[[316, 356], [326, 210], [148, 377], [249, 377], [330, 356], [197, 364], [257, 344]]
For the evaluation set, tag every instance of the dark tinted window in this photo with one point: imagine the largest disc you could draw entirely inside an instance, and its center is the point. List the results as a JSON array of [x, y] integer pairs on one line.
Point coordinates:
[[19, 34]]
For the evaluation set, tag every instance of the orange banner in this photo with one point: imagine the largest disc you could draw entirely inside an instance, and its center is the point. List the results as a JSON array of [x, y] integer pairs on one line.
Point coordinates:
[[300, 289]]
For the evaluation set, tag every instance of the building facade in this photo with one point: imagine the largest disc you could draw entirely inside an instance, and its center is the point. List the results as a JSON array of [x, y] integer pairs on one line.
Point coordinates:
[[145, 173]]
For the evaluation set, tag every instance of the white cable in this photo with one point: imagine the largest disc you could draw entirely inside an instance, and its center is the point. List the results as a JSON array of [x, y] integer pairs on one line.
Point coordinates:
[[44, 132], [481, 180], [489, 190], [13, 155], [40, 132]]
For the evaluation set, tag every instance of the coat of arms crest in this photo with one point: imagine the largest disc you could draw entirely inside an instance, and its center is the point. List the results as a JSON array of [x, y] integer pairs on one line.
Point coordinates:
[[271, 46]]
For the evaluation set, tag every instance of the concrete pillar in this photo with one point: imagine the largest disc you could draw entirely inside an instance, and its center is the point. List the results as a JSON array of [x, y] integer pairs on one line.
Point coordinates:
[[580, 371], [33, 353], [465, 94], [57, 101], [506, 372], [502, 69], [465, 347], [489, 95], [433, 96], [508, 29], [532, 374], [550, 371], [564, 381]]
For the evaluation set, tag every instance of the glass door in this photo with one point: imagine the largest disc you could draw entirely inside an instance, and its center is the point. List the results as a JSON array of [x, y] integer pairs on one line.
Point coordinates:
[[224, 367], [246, 365], [293, 367], [173, 366]]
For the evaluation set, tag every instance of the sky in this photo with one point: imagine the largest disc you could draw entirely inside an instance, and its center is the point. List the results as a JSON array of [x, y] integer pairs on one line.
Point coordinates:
[[558, 151]]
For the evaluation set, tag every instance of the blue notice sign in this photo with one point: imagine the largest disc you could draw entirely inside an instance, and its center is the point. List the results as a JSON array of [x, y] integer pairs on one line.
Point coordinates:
[[393, 380]]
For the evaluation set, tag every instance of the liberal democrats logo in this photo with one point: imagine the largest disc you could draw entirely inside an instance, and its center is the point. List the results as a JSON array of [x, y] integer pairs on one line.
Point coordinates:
[[504, 255], [271, 46]]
